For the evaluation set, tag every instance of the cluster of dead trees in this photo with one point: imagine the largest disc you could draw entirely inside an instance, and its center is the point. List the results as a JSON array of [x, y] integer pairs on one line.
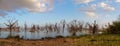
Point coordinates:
[[72, 27]]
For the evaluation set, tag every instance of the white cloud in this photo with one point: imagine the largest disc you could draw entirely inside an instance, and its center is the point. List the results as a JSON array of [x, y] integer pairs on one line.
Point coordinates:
[[91, 14], [117, 0], [83, 1], [30, 5], [90, 8], [90, 11], [106, 7], [102, 4], [87, 9]]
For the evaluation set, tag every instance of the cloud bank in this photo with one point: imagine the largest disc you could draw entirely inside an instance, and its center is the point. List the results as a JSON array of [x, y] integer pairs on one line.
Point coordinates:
[[91, 14], [106, 7], [91, 9], [117, 0], [40, 6], [30, 5]]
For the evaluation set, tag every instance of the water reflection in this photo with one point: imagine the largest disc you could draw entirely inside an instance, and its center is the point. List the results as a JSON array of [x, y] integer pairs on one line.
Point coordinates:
[[38, 34]]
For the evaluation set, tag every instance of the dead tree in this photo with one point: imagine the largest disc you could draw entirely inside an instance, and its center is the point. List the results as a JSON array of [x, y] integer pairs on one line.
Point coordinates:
[[73, 27], [51, 28], [89, 27], [11, 24], [46, 29], [63, 25], [93, 27], [33, 28], [56, 28], [25, 29], [38, 27]]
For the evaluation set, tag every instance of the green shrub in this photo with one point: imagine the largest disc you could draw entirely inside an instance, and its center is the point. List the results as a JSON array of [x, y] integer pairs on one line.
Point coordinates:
[[114, 28]]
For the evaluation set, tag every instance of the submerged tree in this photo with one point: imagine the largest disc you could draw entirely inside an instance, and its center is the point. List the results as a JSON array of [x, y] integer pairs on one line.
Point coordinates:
[[93, 28], [75, 26], [56, 28], [63, 25], [33, 28], [25, 29]]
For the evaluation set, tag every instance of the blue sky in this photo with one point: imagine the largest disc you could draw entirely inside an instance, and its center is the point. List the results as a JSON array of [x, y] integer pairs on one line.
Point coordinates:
[[52, 11]]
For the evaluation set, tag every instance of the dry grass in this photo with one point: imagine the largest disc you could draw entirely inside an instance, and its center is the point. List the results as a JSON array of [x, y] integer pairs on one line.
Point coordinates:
[[47, 42], [96, 40]]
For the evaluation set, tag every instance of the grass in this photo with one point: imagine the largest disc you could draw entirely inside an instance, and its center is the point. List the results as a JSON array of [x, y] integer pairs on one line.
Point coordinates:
[[99, 40], [2, 43], [86, 40]]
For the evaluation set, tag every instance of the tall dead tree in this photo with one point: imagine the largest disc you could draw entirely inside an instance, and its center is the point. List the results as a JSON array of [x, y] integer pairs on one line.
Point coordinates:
[[25, 29], [56, 28], [95, 27], [63, 25], [33, 30]]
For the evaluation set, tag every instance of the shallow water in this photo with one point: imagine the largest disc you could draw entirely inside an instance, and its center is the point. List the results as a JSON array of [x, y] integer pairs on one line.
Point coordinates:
[[39, 34]]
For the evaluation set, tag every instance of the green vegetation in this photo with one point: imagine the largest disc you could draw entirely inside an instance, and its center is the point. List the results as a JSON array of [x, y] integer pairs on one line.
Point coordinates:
[[86, 40], [98, 40], [114, 28]]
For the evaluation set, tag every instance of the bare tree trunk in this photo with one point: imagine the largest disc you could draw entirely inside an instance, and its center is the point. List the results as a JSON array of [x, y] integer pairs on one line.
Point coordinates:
[[25, 29], [10, 28], [0, 30], [95, 27]]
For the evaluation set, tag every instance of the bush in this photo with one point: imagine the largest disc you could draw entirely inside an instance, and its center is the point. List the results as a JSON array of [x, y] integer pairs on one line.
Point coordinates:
[[59, 36], [114, 28], [17, 38]]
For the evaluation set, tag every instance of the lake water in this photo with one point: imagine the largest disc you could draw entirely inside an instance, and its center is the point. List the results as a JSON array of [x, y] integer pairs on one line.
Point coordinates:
[[39, 34]]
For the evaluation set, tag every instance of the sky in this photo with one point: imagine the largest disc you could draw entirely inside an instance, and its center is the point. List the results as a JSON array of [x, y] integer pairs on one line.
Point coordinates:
[[52, 11]]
